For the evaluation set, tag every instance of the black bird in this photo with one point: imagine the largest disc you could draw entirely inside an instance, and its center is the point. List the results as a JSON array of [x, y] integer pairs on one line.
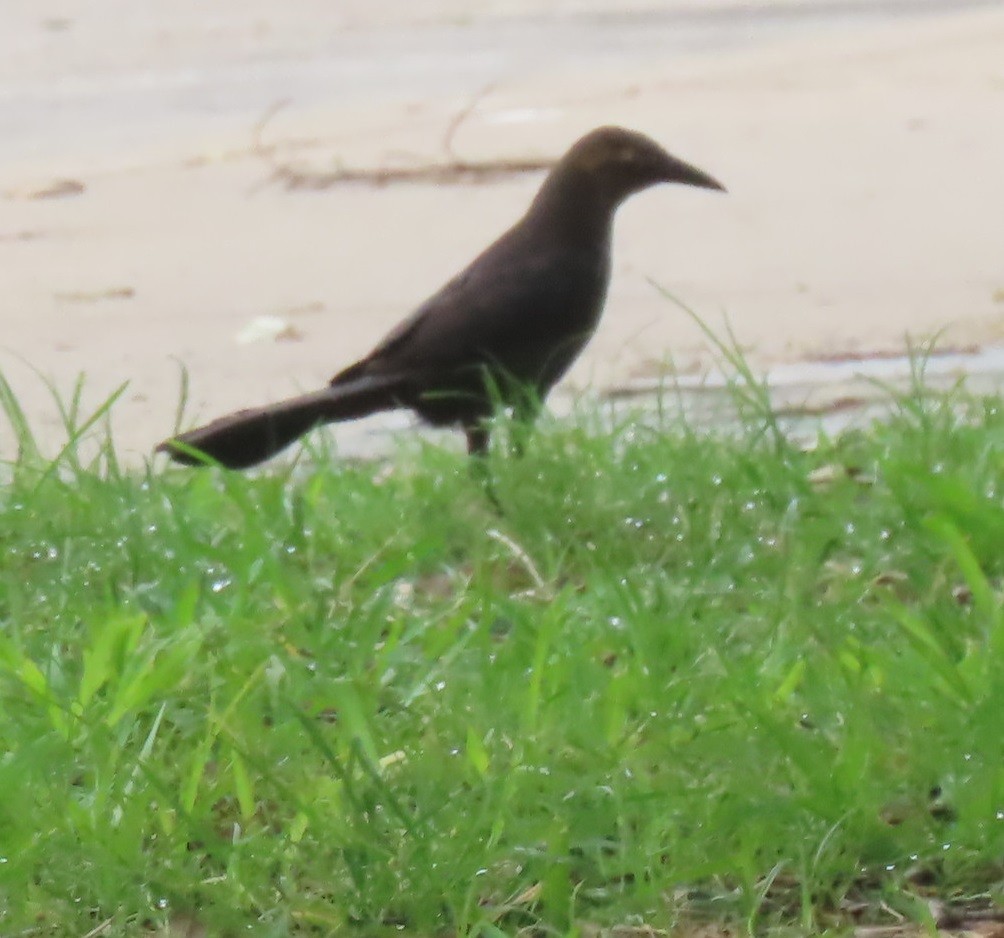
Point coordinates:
[[501, 333]]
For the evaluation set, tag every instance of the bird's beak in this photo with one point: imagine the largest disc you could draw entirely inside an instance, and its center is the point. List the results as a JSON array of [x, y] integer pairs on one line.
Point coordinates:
[[687, 175]]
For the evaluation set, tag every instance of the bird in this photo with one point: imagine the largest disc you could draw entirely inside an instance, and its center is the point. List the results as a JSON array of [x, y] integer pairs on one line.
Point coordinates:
[[499, 335]]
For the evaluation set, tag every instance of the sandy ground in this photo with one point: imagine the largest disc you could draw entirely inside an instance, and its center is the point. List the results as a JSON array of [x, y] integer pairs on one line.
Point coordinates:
[[141, 231]]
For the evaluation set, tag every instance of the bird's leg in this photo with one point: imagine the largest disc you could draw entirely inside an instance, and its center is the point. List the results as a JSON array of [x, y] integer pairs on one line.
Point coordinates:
[[478, 438], [524, 415]]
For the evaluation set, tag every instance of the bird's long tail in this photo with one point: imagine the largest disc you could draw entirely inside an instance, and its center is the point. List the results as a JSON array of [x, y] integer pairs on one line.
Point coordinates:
[[248, 437]]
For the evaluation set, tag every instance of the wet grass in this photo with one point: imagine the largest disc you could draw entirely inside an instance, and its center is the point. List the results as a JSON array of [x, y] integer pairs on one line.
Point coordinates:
[[688, 676]]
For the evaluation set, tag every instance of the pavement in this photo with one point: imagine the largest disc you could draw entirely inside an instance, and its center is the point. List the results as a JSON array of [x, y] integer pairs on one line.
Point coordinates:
[[255, 192]]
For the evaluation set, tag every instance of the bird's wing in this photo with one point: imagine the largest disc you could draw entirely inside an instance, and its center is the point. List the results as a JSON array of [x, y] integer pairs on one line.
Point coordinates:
[[390, 347], [505, 301]]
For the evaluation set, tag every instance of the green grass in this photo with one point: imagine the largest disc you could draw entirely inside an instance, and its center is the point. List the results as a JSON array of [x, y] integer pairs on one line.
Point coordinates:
[[688, 676]]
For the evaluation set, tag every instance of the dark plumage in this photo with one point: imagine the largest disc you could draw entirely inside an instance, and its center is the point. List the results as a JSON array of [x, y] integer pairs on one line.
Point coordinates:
[[501, 332]]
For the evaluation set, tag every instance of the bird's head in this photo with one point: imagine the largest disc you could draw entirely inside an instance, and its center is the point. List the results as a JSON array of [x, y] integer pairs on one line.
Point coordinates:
[[621, 162]]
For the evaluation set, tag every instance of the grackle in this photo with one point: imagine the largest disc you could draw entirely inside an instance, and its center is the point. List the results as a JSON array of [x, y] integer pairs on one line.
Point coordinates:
[[500, 333]]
